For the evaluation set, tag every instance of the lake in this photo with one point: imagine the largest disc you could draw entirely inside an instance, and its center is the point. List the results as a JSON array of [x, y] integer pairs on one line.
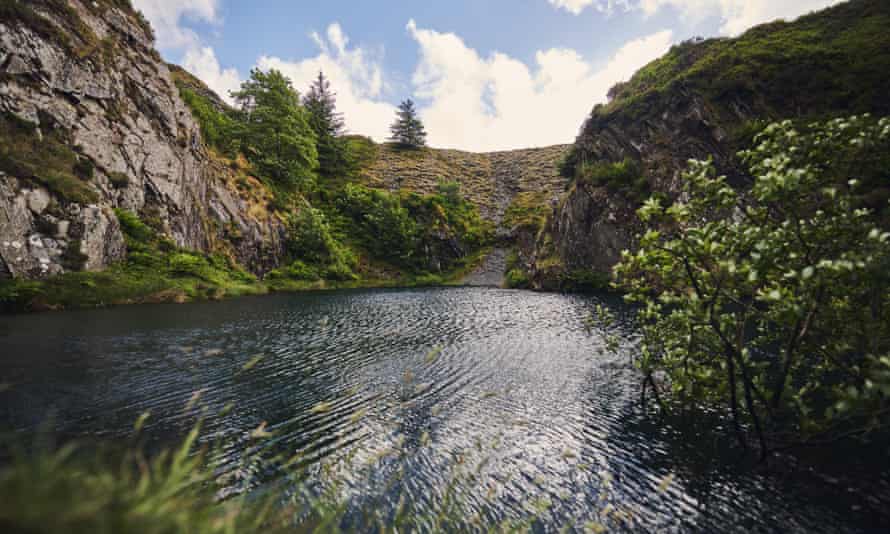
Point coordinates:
[[397, 387]]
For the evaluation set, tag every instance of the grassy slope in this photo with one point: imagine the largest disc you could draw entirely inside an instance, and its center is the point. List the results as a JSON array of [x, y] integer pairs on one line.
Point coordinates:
[[532, 170], [830, 63], [823, 65]]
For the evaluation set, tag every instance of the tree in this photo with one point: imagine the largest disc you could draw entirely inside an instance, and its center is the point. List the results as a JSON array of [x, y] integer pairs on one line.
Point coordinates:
[[772, 303], [408, 131], [328, 126], [274, 129]]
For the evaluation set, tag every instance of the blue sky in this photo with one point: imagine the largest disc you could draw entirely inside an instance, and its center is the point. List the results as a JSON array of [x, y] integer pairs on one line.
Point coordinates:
[[487, 74]]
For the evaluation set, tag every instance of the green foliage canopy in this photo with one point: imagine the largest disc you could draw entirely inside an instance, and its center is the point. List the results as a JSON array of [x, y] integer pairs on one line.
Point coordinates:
[[311, 242], [773, 304], [274, 129]]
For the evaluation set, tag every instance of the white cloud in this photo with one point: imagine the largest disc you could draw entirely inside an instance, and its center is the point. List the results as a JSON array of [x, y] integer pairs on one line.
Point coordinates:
[[736, 16], [168, 19], [577, 6], [355, 74], [498, 102], [202, 63]]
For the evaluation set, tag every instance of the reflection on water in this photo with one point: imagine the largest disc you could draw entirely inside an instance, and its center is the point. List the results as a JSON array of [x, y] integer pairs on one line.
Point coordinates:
[[451, 375]]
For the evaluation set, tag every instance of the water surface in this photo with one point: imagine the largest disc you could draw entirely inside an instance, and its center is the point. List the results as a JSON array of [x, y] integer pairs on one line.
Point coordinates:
[[515, 384]]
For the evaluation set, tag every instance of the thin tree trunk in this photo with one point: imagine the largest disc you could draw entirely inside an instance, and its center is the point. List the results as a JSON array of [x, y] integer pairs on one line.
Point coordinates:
[[734, 403]]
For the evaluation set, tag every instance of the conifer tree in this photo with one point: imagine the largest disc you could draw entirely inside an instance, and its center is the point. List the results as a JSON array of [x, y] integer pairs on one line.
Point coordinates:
[[327, 122], [408, 131]]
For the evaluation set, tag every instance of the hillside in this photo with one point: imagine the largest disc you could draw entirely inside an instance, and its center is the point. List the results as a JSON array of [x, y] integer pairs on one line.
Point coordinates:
[[490, 180], [115, 185], [706, 98]]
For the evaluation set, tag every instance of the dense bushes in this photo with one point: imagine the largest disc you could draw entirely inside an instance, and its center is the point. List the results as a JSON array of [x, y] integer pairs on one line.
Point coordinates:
[[773, 304], [415, 232], [315, 251], [625, 178], [381, 223]]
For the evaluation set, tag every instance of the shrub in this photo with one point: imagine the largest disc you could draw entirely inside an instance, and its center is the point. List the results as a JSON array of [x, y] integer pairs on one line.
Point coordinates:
[[310, 240], [84, 168], [298, 270], [517, 279], [134, 229], [528, 211], [383, 225], [772, 305], [185, 264], [450, 191], [625, 177]]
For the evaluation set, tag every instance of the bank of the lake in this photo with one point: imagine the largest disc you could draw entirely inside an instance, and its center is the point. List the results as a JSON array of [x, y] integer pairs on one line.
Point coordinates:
[[207, 279]]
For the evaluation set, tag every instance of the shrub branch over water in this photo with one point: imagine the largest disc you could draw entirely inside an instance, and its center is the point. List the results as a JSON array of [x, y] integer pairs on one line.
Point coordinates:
[[773, 304]]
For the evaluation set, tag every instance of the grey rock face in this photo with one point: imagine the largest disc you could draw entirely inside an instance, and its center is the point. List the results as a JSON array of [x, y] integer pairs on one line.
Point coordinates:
[[590, 227], [123, 113]]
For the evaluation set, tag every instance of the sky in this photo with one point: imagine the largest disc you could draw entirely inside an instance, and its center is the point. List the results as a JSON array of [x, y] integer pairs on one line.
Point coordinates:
[[485, 74]]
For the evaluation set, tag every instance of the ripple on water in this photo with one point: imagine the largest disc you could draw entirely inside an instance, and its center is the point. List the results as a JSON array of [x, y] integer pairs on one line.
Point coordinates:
[[509, 383]]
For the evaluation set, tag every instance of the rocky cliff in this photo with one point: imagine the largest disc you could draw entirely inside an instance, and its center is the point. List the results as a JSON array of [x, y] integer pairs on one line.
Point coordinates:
[[92, 121], [706, 98]]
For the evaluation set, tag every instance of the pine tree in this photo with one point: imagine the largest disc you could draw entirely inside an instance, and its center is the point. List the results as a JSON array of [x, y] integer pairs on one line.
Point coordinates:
[[321, 103], [408, 131]]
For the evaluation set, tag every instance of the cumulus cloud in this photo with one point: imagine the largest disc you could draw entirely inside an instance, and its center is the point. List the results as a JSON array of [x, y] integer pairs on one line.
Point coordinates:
[[355, 74], [498, 102], [169, 17], [202, 62], [577, 6], [736, 16]]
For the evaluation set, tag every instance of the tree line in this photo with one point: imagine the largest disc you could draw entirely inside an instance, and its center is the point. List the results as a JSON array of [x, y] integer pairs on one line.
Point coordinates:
[[290, 138]]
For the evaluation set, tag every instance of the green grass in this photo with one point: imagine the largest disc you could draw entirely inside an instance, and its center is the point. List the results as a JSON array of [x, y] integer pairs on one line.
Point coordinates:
[[155, 271], [529, 210], [831, 60], [104, 490], [623, 178], [823, 65], [46, 160]]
